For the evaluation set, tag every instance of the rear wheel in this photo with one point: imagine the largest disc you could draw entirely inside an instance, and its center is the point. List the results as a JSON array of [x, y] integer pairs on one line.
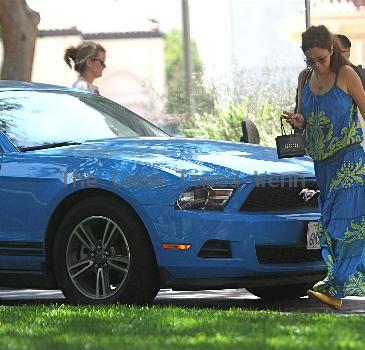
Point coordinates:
[[292, 291], [102, 254]]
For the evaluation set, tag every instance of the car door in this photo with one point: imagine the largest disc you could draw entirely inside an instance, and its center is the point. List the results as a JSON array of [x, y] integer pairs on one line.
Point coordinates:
[[20, 247], [30, 180]]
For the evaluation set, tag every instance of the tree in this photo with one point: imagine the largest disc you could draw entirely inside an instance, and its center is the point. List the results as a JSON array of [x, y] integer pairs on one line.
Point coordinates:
[[19, 25], [174, 58]]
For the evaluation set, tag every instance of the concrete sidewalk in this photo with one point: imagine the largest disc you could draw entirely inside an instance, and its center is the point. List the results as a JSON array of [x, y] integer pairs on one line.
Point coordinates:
[[222, 299], [241, 298]]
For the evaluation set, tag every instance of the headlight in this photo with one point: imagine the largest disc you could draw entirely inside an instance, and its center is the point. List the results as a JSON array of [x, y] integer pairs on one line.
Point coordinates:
[[205, 197]]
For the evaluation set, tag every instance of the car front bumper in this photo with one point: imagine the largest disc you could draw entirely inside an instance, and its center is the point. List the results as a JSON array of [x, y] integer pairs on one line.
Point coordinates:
[[245, 233]]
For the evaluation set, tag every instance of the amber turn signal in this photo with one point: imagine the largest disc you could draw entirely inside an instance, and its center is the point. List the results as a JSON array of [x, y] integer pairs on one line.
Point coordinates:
[[176, 246]]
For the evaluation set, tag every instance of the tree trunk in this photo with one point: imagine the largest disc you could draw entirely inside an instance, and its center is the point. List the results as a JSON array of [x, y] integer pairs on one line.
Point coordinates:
[[19, 25]]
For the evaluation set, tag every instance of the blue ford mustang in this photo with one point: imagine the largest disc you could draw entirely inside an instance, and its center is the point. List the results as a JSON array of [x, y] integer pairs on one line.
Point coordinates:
[[102, 204]]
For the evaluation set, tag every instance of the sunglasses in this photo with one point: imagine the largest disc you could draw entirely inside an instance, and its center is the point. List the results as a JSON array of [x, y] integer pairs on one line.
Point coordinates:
[[101, 61], [311, 61]]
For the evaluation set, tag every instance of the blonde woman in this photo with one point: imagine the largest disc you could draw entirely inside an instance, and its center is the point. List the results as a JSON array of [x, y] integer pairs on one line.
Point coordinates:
[[88, 60]]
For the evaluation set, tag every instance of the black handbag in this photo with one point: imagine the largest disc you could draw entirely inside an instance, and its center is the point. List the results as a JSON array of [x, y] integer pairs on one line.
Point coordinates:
[[289, 145]]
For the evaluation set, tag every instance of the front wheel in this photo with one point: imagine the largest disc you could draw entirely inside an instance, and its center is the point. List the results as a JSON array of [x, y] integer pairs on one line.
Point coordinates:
[[102, 254], [292, 291]]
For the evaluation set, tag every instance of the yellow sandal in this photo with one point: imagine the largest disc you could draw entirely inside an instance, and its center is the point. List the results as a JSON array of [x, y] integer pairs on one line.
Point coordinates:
[[331, 301]]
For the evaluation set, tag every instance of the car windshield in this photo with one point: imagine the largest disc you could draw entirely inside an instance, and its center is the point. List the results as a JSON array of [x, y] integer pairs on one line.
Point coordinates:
[[32, 119]]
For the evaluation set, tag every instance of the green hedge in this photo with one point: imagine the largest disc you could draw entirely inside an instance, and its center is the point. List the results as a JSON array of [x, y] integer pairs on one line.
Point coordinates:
[[226, 124], [256, 94]]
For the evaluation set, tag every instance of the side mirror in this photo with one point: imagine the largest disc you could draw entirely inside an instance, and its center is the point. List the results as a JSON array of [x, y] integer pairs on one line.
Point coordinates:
[[250, 134]]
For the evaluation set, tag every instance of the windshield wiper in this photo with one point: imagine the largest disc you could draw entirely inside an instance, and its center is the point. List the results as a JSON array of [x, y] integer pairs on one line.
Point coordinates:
[[48, 145]]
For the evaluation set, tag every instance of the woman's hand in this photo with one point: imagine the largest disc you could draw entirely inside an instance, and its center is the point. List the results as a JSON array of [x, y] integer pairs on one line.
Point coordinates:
[[295, 120]]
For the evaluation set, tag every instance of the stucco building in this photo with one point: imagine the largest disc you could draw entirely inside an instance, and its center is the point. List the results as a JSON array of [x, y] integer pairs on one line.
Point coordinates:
[[340, 16]]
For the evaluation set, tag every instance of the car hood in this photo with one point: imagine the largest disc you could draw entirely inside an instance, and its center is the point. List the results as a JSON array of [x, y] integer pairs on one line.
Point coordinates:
[[178, 156]]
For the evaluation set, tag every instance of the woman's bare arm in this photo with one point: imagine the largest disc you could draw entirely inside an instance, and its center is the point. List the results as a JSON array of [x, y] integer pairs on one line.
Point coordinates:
[[354, 87]]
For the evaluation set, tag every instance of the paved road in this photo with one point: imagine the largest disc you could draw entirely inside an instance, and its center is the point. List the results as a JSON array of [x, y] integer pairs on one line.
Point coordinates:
[[222, 299]]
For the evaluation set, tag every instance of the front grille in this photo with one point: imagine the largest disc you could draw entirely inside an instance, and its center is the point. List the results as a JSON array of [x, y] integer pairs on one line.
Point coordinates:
[[281, 196], [286, 255], [216, 249]]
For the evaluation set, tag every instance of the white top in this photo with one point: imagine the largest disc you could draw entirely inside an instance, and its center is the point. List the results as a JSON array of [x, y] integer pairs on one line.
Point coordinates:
[[82, 84]]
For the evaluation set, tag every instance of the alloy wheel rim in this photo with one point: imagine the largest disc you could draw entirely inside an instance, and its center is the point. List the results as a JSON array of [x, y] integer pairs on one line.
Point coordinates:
[[98, 257]]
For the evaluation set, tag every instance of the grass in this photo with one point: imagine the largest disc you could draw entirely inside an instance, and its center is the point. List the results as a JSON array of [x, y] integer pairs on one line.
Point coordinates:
[[127, 327]]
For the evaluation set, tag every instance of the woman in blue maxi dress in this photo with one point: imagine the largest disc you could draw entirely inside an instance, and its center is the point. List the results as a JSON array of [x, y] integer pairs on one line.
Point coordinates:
[[331, 96]]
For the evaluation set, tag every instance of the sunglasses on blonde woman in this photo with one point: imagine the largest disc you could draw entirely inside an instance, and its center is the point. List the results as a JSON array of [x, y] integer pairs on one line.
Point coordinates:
[[101, 61], [311, 61]]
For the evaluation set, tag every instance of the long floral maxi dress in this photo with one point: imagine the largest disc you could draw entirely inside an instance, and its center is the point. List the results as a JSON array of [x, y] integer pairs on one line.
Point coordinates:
[[334, 141]]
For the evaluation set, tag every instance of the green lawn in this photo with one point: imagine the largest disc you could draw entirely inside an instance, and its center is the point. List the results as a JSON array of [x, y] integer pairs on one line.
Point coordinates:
[[122, 327]]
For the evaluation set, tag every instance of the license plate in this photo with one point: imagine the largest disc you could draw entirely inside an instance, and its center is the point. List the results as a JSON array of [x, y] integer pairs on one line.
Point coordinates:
[[312, 238]]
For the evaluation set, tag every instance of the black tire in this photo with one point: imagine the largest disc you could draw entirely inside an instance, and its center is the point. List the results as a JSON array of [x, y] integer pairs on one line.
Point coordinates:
[[102, 254], [285, 292]]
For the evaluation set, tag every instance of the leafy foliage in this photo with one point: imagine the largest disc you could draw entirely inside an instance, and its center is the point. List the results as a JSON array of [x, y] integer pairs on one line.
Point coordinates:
[[246, 94], [174, 58], [174, 54], [226, 125]]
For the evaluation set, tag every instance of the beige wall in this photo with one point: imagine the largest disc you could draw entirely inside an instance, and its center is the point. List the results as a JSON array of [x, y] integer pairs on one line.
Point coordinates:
[[353, 26], [135, 73], [48, 64]]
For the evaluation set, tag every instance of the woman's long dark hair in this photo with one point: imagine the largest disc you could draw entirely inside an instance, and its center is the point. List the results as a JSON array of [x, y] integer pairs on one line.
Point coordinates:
[[320, 36]]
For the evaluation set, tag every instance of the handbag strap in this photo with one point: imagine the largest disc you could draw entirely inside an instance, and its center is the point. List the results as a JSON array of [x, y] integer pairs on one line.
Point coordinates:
[[282, 127], [302, 80]]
